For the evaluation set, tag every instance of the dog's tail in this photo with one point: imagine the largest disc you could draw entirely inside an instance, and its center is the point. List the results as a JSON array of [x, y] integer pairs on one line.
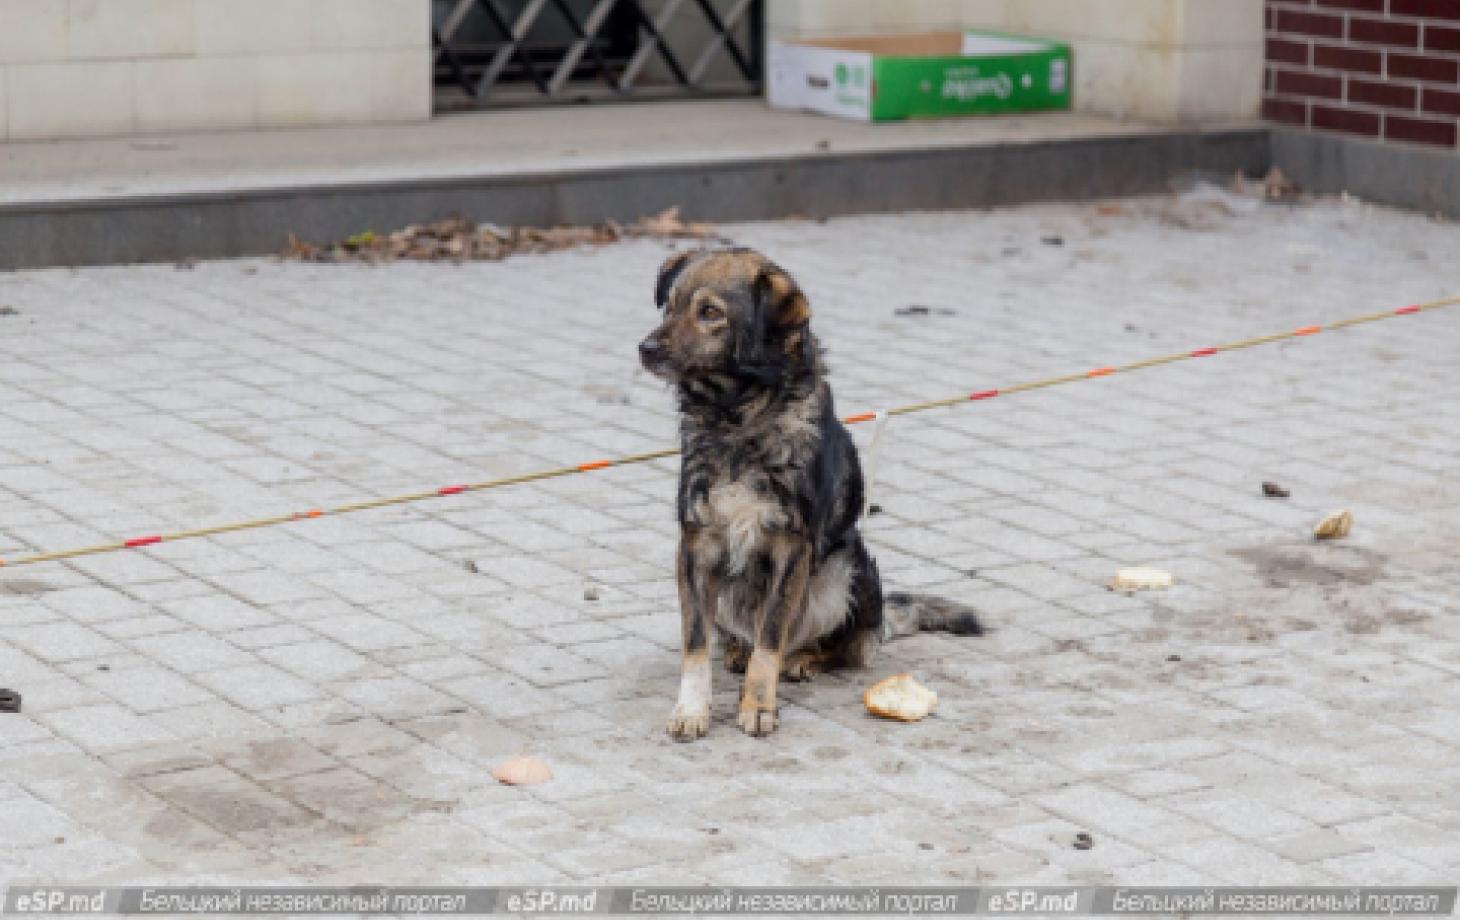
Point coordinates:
[[905, 614]]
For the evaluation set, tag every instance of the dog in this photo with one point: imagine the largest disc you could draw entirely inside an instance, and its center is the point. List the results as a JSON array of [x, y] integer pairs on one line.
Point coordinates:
[[770, 493]]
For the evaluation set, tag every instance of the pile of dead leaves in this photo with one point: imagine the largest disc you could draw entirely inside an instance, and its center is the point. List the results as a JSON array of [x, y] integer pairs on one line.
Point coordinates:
[[457, 239]]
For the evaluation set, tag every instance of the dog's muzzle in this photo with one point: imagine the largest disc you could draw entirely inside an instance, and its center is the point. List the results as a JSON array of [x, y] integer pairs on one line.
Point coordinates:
[[654, 356]]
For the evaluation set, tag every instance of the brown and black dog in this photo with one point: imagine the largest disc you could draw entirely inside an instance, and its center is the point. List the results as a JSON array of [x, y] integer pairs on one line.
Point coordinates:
[[770, 491]]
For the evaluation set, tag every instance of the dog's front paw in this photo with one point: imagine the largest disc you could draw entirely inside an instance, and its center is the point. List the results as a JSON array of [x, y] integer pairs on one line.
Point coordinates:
[[687, 723], [757, 722]]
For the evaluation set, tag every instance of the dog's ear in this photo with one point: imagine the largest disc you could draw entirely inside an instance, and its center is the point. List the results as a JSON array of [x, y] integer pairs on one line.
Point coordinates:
[[669, 273], [781, 299], [765, 340]]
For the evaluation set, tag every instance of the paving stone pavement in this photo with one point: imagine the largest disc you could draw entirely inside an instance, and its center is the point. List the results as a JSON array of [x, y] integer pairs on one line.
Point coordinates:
[[323, 701]]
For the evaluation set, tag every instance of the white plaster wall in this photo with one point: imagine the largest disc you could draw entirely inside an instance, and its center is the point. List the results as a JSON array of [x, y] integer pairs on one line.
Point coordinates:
[[88, 68], [77, 68]]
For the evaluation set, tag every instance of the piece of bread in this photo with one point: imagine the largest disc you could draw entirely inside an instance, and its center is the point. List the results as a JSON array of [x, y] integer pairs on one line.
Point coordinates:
[[1141, 578], [1334, 527], [522, 771], [900, 697]]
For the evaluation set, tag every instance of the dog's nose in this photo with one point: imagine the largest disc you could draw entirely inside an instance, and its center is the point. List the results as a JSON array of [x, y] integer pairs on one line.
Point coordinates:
[[650, 349]]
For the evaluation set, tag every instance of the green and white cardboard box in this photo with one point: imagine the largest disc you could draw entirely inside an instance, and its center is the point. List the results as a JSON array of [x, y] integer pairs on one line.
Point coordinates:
[[929, 75]]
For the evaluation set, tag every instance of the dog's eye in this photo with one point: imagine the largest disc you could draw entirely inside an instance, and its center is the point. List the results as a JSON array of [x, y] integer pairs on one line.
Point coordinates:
[[710, 313]]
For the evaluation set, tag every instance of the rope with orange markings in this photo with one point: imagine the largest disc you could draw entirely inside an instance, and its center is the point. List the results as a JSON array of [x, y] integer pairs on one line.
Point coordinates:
[[1104, 371]]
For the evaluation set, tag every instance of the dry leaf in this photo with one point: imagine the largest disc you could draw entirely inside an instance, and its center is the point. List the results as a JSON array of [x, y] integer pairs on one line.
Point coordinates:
[[1334, 527], [665, 223], [1141, 578], [522, 771], [1277, 186], [900, 697]]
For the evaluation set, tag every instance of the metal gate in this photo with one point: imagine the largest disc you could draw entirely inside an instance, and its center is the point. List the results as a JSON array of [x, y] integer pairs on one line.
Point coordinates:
[[491, 53]]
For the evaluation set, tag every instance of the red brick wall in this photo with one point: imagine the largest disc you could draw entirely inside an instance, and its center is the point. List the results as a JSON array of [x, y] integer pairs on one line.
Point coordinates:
[[1377, 68]]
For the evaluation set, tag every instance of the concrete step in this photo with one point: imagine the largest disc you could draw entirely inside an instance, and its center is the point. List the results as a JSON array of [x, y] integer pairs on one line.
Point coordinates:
[[236, 194]]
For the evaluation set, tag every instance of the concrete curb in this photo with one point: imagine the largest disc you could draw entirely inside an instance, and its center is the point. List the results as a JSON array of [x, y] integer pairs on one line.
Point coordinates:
[[224, 224], [1425, 179]]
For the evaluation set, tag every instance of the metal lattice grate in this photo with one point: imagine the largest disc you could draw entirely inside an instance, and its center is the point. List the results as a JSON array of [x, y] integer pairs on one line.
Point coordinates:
[[514, 52]]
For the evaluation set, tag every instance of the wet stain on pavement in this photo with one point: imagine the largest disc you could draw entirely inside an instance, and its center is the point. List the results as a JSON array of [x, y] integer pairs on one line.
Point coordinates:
[[1288, 565], [24, 586]]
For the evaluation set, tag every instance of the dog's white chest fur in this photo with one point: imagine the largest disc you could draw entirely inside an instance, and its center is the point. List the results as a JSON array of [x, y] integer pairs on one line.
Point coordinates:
[[739, 517]]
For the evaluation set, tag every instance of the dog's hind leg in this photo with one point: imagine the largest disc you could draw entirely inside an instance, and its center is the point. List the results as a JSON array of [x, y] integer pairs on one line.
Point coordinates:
[[806, 664], [789, 560], [854, 600], [850, 647], [860, 649], [699, 591]]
